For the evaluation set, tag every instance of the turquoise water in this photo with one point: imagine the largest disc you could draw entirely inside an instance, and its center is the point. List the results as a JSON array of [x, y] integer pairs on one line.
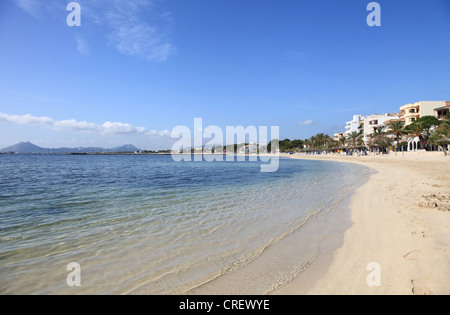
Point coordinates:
[[147, 224]]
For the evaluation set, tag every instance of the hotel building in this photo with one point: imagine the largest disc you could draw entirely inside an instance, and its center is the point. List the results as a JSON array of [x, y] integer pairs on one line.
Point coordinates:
[[371, 123], [442, 112], [409, 113], [354, 125]]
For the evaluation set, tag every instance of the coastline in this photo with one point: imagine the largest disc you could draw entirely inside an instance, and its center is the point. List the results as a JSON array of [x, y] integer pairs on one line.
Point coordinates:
[[400, 221]]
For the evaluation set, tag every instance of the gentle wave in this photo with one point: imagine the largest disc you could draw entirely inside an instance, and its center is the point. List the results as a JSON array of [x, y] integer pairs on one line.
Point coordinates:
[[149, 225]]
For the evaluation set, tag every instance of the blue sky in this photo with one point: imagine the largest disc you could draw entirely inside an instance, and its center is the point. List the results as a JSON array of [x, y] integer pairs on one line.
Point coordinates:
[[134, 70]]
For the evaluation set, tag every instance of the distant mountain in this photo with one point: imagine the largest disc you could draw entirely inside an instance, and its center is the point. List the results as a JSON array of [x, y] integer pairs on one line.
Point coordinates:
[[28, 147], [125, 148], [24, 147]]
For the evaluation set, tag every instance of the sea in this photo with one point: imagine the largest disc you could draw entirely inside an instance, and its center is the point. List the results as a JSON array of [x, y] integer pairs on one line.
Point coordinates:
[[145, 224]]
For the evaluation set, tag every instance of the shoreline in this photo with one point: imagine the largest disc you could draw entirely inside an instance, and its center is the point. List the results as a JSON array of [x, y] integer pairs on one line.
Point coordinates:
[[283, 260], [401, 221]]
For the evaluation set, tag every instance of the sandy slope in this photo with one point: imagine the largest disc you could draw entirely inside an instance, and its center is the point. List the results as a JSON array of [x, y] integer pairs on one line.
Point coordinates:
[[401, 222]]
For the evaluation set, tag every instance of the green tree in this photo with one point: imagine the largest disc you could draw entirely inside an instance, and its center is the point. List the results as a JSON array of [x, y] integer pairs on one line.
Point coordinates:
[[342, 141], [440, 134], [380, 138], [415, 130], [429, 124], [332, 144], [287, 145], [297, 144], [422, 128], [322, 141], [444, 126], [396, 128], [355, 139]]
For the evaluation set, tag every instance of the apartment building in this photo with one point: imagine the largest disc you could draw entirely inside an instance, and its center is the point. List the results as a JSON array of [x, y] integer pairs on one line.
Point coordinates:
[[409, 113], [338, 136], [442, 112], [354, 125], [371, 123]]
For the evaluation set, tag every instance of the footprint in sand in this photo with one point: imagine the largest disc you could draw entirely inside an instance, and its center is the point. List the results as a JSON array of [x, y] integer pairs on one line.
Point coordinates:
[[420, 228], [414, 255], [439, 201], [416, 222], [419, 289], [422, 234]]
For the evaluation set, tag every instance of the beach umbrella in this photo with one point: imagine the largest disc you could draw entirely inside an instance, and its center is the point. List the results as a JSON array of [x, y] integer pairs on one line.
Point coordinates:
[[443, 140]]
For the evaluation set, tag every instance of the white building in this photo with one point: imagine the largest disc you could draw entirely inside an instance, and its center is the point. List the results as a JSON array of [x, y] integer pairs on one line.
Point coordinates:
[[354, 125], [248, 149], [371, 123]]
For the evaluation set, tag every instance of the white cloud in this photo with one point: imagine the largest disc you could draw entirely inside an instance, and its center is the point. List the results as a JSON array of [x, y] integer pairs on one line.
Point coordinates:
[[72, 125], [306, 123]]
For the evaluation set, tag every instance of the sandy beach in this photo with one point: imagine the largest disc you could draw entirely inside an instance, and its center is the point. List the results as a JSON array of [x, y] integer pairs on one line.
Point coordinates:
[[400, 233]]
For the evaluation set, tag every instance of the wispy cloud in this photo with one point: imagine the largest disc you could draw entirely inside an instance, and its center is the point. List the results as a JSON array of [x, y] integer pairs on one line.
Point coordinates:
[[82, 46], [306, 123], [296, 55], [133, 36], [134, 28], [29, 6], [72, 125], [127, 30], [140, 40]]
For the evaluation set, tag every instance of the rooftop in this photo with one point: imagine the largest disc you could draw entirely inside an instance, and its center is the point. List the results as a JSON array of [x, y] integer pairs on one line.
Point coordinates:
[[443, 107]]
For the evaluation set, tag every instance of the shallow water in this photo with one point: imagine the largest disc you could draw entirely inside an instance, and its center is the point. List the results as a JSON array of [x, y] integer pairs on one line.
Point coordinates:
[[147, 224]]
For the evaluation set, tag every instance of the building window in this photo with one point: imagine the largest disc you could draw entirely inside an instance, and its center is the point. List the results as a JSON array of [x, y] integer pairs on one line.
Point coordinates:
[[442, 114]]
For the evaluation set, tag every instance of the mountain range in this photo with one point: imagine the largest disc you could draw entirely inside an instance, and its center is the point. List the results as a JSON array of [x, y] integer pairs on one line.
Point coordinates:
[[28, 147]]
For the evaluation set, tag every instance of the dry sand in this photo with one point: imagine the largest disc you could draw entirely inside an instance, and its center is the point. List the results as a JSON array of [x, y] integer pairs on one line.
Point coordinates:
[[401, 222]]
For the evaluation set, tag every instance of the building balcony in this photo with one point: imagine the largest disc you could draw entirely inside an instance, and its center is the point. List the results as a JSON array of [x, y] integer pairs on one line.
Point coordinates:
[[409, 109], [442, 112]]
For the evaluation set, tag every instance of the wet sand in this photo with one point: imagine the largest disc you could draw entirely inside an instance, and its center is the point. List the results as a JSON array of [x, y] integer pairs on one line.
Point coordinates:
[[399, 242]]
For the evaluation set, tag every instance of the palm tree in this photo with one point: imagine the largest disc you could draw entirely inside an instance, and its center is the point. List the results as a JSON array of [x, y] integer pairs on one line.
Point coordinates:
[[331, 144], [313, 142], [441, 135], [320, 140], [415, 130], [355, 139], [342, 141], [327, 141], [422, 128], [380, 138], [396, 128], [444, 126], [308, 143]]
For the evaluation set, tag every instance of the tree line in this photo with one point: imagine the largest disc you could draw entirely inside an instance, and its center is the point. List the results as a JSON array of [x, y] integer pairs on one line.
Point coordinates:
[[430, 131]]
